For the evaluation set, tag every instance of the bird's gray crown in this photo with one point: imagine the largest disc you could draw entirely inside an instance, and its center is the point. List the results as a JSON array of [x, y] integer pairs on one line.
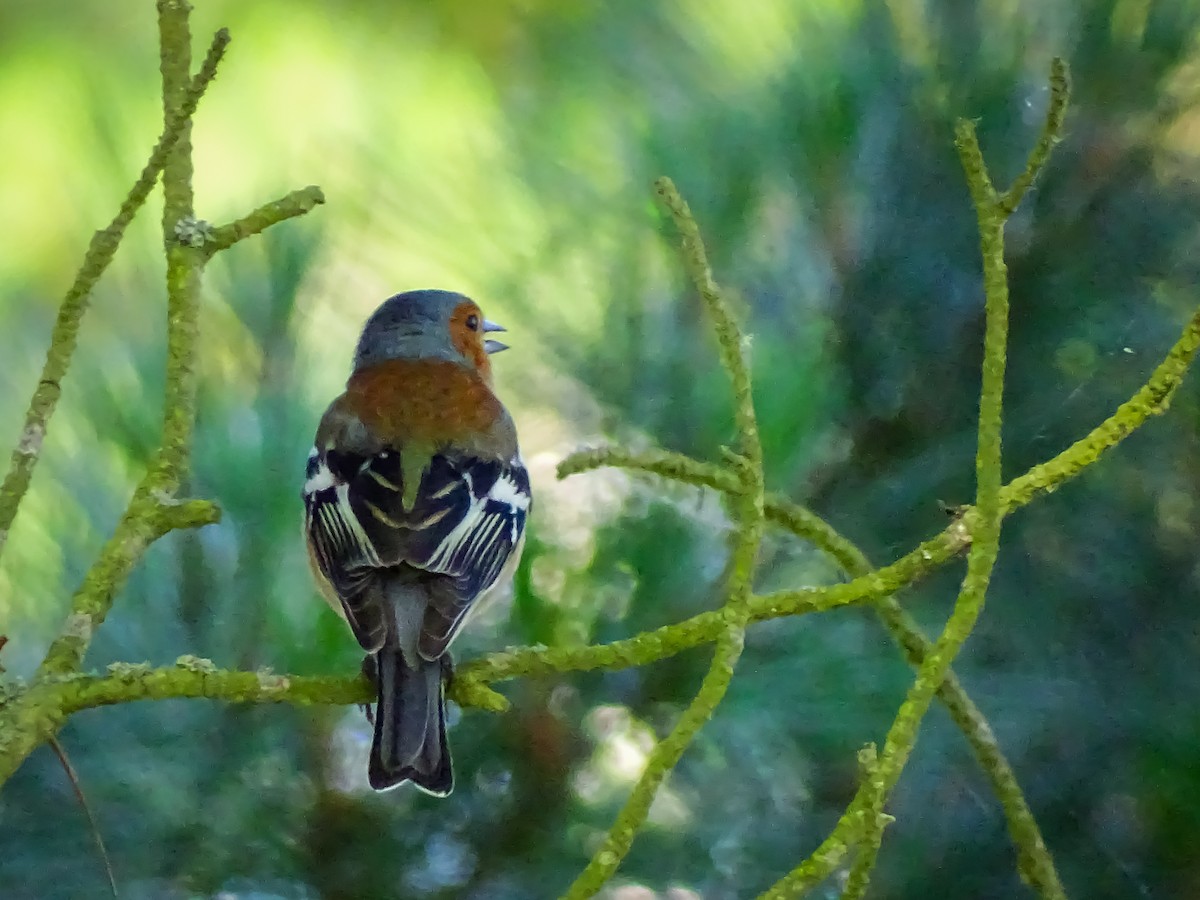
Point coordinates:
[[412, 325]]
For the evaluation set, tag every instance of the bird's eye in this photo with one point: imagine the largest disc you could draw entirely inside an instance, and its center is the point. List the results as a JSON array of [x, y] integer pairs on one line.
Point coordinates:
[[473, 322]]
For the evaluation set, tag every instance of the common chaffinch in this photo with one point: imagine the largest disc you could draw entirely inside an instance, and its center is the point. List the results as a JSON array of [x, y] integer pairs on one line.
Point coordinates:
[[415, 506]]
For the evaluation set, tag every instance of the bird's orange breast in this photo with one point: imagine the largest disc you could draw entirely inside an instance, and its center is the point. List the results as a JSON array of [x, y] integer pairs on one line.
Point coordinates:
[[434, 400]]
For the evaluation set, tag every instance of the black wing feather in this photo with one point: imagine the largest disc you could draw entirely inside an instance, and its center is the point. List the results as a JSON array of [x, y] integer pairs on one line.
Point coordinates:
[[346, 560], [489, 500]]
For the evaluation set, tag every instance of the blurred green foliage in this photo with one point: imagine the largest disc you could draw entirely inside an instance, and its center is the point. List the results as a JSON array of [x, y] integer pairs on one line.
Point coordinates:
[[506, 150]]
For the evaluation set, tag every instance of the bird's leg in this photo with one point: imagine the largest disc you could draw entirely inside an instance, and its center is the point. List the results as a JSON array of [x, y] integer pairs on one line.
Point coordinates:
[[370, 671]]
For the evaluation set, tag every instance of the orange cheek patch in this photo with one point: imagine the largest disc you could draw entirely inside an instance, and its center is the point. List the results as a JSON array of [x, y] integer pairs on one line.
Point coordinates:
[[468, 342]]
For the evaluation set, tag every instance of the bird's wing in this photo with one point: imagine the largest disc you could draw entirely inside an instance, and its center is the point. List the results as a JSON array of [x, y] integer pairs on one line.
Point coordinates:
[[477, 509], [341, 549], [461, 525]]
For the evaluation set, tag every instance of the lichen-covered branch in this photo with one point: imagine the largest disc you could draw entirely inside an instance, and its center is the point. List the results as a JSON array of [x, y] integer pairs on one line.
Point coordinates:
[[677, 467], [989, 511], [184, 263], [31, 715], [830, 854], [153, 511], [729, 336], [1152, 399], [193, 677], [150, 515], [1033, 859], [70, 313], [297, 203], [746, 468], [872, 822], [1051, 134]]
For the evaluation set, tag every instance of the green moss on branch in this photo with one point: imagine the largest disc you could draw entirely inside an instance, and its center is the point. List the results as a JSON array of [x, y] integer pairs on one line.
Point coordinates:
[[31, 715], [100, 253], [746, 468]]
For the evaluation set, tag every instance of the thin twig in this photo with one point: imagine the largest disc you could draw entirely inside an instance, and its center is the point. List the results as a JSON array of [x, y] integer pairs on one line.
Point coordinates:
[[73, 777], [185, 265], [296, 203], [1052, 129]]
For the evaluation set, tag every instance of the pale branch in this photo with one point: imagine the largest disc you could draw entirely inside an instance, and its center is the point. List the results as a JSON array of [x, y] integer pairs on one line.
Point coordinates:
[[100, 253], [297, 203]]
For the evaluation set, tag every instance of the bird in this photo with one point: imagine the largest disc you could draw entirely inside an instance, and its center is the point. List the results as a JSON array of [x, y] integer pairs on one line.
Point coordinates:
[[416, 500]]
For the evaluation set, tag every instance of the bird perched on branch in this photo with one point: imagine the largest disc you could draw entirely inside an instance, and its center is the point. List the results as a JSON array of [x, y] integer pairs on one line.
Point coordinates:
[[415, 507]]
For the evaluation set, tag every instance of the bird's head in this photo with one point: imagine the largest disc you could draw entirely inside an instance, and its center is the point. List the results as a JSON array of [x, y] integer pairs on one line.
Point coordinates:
[[428, 324]]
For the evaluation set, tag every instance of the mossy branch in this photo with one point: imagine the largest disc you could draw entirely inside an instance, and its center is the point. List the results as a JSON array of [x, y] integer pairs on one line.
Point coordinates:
[[32, 715], [1052, 129], [1021, 824], [746, 471], [991, 214], [297, 203], [872, 585], [871, 823], [100, 253]]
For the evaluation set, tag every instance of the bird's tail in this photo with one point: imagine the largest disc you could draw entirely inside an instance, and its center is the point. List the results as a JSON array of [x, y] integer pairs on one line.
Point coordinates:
[[410, 725]]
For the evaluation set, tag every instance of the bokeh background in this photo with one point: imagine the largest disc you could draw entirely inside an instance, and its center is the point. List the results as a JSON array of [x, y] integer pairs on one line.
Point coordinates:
[[506, 150]]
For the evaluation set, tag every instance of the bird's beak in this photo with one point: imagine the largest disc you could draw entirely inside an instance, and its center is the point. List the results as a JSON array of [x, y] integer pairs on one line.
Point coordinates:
[[493, 346]]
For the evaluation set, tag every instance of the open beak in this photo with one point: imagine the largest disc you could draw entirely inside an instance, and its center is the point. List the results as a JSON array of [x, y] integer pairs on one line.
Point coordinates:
[[493, 346]]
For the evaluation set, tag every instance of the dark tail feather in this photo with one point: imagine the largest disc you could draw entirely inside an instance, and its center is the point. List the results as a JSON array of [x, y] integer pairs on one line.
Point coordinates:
[[410, 726]]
